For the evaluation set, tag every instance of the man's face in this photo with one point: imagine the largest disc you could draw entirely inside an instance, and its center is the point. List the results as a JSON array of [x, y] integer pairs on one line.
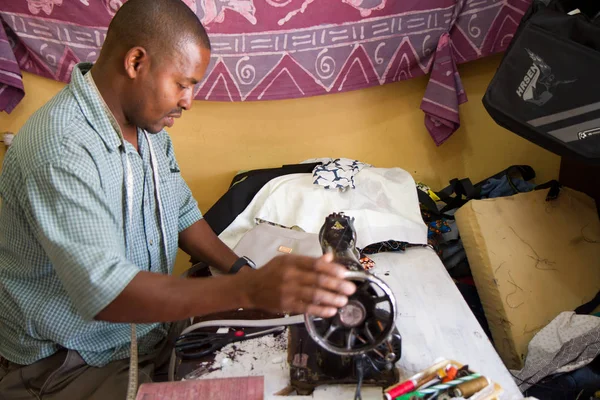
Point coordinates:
[[160, 93]]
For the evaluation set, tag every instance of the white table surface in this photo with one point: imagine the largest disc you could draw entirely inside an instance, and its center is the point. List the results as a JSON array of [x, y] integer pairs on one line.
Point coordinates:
[[433, 319]]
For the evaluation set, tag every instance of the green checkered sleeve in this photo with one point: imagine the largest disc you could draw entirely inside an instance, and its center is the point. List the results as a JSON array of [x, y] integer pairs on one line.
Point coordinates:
[[188, 209], [79, 232], [188, 206]]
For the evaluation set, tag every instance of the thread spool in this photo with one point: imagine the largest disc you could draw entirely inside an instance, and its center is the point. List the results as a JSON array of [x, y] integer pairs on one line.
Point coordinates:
[[468, 389], [410, 396], [435, 389], [400, 389], [451, 372]]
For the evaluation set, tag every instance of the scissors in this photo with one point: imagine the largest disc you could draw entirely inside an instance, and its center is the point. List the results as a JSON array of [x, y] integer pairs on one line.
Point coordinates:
[[195, 345]]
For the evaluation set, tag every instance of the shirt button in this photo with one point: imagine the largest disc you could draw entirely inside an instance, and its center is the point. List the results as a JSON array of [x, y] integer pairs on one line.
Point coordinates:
[[151, 242]]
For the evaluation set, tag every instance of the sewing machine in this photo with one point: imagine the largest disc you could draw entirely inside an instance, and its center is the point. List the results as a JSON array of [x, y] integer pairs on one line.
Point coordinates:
[[360, 344]]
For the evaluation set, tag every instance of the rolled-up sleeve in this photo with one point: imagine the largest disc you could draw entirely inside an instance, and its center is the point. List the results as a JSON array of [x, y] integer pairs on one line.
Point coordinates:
[[189, 212], [80, 233]]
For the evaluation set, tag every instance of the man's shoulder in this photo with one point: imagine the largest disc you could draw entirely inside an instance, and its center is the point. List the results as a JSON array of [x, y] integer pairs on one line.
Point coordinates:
[[60, 122]]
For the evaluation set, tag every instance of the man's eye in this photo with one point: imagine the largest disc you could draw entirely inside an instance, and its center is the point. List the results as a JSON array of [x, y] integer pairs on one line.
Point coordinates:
[[181, 86]]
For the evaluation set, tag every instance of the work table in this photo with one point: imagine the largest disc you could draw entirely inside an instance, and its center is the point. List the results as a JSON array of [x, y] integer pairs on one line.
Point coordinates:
[[433, 319]]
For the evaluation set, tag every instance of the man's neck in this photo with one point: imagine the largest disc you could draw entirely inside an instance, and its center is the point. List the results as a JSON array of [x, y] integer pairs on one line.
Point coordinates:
[[108, 89], [131, 136]]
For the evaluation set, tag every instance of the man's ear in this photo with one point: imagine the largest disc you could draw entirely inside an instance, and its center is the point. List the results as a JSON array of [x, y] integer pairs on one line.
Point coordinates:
[[136, 60]]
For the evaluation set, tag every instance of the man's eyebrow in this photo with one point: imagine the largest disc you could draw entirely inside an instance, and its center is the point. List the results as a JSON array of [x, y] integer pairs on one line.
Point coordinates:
[[192, 80]]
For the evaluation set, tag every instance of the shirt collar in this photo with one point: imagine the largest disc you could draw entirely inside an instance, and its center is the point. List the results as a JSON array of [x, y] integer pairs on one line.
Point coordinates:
[[94, 107]]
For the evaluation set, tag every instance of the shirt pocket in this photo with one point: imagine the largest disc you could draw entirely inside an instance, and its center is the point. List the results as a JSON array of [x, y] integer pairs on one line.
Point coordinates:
[[170, 192]]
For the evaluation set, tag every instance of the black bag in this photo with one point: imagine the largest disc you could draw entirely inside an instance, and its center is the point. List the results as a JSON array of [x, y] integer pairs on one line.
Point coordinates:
[[547, 87]]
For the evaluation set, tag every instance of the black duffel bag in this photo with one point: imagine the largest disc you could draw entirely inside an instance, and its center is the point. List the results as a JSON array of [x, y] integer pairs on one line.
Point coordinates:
[[547, 87]]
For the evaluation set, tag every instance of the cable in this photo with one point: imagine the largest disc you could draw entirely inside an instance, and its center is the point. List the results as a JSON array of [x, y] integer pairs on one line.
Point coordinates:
[[246, 323], [360, 372]]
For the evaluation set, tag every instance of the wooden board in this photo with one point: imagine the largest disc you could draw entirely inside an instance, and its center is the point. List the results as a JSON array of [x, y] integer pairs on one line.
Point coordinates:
[[243, 388]]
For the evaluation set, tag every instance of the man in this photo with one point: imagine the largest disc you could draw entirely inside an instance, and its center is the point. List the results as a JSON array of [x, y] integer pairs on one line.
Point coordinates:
[[94, 209]]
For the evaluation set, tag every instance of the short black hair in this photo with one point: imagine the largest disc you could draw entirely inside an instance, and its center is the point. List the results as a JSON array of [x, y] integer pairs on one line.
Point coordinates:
[[156, 25]]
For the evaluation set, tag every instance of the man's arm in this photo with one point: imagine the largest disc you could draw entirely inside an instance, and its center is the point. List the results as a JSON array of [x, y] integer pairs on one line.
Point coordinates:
[[200, 242], [293, 284], [77, 229]]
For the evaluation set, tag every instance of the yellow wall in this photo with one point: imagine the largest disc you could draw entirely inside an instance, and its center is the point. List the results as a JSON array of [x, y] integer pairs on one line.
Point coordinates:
[[382, 126]]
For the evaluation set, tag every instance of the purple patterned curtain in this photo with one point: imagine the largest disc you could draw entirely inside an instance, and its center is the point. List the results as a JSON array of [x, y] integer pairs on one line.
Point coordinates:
[[278, 49]]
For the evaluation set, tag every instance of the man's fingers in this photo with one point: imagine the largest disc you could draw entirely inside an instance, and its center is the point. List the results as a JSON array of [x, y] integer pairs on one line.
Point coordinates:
[[320, 311], [325, 265], [302, 299], [325, 281], [321, 297], [322, 264], [317, 310], [327, 257]]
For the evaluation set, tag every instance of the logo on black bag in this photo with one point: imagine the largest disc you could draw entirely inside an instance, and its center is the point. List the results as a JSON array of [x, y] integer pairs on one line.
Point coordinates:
[[539, 82], [586, 134]]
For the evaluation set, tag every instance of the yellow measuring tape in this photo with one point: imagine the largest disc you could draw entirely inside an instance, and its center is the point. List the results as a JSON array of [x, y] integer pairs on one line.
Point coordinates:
[[132, 385]]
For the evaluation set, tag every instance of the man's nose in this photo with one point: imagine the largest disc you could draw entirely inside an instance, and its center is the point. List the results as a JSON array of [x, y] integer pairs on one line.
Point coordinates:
[[186, 101]]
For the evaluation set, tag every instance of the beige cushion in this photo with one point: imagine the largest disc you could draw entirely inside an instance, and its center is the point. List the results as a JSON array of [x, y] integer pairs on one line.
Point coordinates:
[[531, 260]]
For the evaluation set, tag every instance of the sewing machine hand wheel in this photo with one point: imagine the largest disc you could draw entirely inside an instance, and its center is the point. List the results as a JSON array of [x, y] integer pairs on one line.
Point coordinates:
[[363, 324]]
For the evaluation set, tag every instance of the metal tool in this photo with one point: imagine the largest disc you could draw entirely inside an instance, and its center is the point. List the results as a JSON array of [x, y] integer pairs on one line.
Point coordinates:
[[195, 345]]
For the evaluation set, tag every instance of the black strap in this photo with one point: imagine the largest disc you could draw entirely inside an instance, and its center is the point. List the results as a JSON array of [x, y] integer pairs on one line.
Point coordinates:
[[429, 205], [590, 306], [454, 195], [463, 190], [554, 191], [460, 191]]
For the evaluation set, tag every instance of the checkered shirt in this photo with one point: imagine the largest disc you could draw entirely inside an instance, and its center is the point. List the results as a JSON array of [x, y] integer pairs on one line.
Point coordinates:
[[64, 254]]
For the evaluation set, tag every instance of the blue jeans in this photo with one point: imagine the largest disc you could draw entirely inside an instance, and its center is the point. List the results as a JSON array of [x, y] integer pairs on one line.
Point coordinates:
[[569, 385]]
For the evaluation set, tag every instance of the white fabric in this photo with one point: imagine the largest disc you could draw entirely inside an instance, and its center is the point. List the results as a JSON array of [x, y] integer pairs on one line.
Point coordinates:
[[384, 205]]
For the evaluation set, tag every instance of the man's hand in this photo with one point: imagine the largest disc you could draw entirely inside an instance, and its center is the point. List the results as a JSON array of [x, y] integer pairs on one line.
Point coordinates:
[[289, 283], [200, 242], [298, 284]]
